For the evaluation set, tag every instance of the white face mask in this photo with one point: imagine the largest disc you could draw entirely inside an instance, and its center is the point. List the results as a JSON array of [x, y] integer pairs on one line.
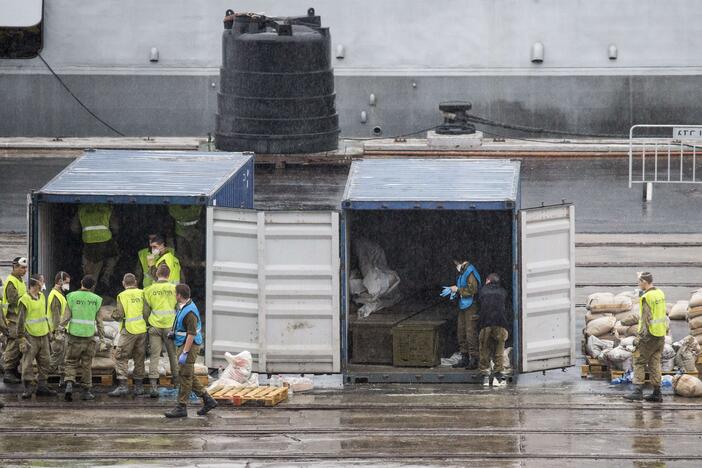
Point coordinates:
[[43, 287], [458, 267], [155, 251], [66, 286]]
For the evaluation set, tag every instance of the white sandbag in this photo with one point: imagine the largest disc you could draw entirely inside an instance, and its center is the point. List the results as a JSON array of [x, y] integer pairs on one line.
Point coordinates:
[[693, 312], [598, 298], [679, 310], [667, 365], [668, 352], [111, 329], [605, 302], [617, 357], [668, 340], [596, 346], [696, 331], [695, 322], [696, 300], [628, 341], [687, 351], [687, 386], [628, 318], [239, 368], [601, 326]]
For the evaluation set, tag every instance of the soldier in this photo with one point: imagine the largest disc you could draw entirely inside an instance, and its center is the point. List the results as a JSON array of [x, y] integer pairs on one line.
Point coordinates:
[[187, 336], [56, 307], [131, 342], [188, 235], [160, 311], [466, 288], [160, 255], [13, 289], [100, 251], [83, 322], [33, 339]]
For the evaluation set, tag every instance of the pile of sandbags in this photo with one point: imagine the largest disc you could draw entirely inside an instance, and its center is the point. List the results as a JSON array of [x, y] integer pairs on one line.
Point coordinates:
[[668, 355], [610, 317], [687, 385], [694, 315], [679, 310]]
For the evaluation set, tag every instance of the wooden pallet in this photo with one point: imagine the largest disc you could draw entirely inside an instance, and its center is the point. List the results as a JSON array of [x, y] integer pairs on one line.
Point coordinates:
[[615, 374], [167, 380], [257, 396], [594, 369], [100, 377]]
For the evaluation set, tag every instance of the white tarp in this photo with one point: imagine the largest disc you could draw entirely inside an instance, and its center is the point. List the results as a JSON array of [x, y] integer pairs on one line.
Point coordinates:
[[377, 286]]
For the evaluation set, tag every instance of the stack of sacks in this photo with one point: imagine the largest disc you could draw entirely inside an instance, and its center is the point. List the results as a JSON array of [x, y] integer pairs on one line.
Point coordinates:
[[679, 310], [668, 355], [687, 351], [609, 317], [694, 316], [596, 348]]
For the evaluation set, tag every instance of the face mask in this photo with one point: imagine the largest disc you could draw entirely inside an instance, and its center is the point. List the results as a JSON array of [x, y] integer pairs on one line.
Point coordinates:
[[458, 267], [155, 251], [66, 286], [43, 287]]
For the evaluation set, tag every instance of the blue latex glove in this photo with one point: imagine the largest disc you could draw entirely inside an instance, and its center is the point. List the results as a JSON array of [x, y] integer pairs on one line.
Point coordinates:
[[182, 358], [453, 296], [446, 291]]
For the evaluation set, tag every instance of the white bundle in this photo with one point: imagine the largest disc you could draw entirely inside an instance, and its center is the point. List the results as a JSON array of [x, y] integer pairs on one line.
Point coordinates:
[[595, 346], [679, 310], [601, 326]]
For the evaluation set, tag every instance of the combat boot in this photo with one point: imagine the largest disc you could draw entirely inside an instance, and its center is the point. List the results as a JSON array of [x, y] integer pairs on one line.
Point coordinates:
[[121, 389], [154, 388], [29, 389], [180, 411], [138, 387], [43, 390], [86, 395], [655, 397], [636, 395], [68, 393], [208, 404]]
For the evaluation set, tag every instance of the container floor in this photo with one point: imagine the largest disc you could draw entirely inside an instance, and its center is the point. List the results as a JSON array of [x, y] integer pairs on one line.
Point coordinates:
[[366, 373]]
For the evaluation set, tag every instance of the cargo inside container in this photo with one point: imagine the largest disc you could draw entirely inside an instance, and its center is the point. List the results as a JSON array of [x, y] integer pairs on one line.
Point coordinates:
[[421, 246]]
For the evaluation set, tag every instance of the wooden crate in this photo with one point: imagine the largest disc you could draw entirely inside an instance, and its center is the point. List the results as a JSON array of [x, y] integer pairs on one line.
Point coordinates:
[[256, 396], [615, 374], [594, 369], [416, 343]]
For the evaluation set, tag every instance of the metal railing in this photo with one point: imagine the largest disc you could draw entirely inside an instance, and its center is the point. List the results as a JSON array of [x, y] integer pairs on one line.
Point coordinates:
[[668, 155]]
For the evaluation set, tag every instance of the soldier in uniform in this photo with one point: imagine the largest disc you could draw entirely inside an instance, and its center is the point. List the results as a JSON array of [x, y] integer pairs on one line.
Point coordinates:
[[56, 307], [82, 322], [13, 289], [131, 343]]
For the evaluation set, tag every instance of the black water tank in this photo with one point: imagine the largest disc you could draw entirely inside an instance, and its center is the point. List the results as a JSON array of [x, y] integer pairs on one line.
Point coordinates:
[[276, 86]]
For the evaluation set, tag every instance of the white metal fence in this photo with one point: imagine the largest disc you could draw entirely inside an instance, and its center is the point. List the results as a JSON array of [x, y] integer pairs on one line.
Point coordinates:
[[664, 154]]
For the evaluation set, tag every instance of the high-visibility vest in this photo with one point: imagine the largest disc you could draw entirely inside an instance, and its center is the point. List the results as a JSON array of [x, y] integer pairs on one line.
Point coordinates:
[[36, 323], [173, 264], [186, 217], [132, 301], [58, 295], [148, 280], [659, 320], [462, 282], [84, 309], [161, 298], [21, 289], [95, 223], [179, 329]]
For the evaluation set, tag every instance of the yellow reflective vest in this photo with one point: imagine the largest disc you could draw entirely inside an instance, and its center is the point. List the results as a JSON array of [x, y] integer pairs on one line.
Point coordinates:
[[36, 323], [173, 265], [659, 320], [21, 289], [54, 294], [132, 301], [95, 223], [162, 300]]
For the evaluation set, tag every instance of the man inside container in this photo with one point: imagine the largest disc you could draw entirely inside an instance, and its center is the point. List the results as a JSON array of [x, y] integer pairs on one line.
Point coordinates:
[[162, 255], [466, 288], [97, 223], [13, 289], [187, 231], [493, 323], [650, 340]]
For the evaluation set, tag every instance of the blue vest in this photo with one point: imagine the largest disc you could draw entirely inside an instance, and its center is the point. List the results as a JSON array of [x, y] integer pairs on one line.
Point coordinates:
[[462, 282], [179, 328]]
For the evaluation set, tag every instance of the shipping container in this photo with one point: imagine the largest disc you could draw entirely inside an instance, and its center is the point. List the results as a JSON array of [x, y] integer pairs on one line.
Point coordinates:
[[140, 186], [279, 280]]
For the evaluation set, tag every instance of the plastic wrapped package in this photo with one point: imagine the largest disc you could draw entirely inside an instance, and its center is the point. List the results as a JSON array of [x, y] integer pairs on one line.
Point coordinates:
[[380, 283]]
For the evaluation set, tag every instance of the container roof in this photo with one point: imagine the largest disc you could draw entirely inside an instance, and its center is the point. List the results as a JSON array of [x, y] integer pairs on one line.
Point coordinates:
[[146, 174], [432, 183]]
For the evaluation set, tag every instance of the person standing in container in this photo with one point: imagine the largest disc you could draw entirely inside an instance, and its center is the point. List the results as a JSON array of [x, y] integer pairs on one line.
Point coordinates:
[[100, 252], [466, 288], [493, 323], [161, 255], [13, 289], [33, 339], [83, 322], [650, 340], [187, 231], [187, 335]]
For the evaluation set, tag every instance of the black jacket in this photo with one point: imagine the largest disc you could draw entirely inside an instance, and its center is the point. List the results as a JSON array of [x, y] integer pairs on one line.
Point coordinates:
[[493, 307]]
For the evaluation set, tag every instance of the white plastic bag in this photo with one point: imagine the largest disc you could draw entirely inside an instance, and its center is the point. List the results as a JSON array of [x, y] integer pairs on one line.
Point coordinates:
[[596, 346], [380, 283]]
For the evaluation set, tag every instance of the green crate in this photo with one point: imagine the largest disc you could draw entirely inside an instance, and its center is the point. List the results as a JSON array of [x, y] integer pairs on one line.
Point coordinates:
[[417, 343]]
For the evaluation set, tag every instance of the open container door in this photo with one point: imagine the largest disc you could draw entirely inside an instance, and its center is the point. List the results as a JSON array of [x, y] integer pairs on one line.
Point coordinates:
[[273, 289], [547, 288]]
